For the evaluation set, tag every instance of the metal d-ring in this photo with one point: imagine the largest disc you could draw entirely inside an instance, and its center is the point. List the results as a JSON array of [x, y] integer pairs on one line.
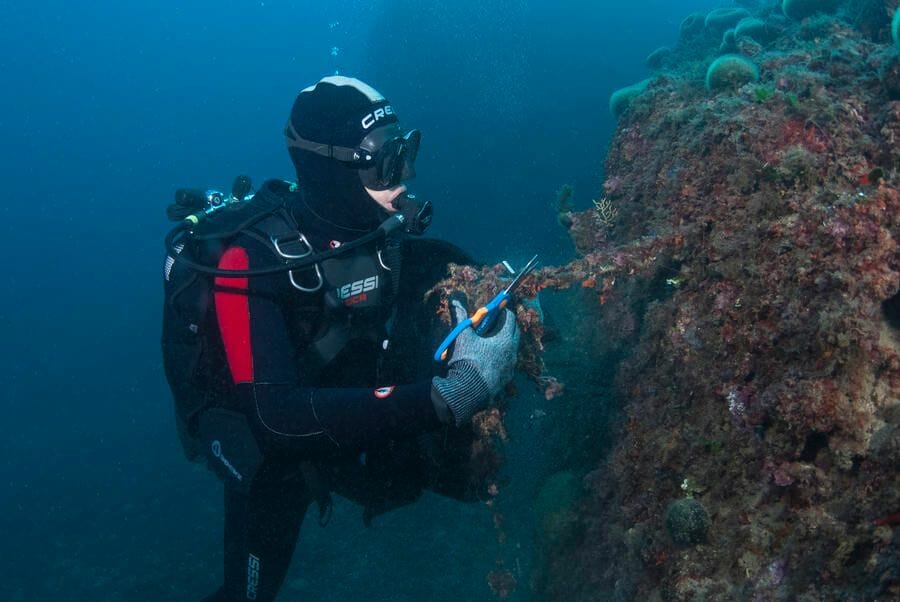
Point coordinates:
[[306, 289], [293, 237], [381, 261]]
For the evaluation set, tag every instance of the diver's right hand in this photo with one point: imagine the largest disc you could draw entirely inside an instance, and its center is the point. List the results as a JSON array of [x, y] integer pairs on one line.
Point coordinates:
[[478, 369]]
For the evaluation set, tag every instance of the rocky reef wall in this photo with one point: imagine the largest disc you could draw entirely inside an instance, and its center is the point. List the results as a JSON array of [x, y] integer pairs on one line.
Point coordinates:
[[739, 287], [760, 452], [754, 246]]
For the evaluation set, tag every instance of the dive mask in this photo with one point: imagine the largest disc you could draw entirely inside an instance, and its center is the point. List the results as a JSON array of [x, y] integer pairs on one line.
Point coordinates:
[[384, 158], [393, 154]]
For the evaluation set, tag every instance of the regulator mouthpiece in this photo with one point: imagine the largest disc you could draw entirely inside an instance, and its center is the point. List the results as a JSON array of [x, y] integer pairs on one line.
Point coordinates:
[[416, 215]]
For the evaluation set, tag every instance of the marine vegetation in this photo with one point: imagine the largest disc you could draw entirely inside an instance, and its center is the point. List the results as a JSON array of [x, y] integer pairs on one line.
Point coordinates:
[[621, 99], [730, 71], [751, 290], [895, 28]]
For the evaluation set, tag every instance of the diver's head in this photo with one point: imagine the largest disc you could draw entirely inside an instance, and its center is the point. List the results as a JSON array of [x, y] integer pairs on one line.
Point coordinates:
[[349, 151]]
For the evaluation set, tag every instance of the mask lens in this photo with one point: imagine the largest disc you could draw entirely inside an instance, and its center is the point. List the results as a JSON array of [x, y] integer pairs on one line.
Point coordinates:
[[396, 158], [412, 138]]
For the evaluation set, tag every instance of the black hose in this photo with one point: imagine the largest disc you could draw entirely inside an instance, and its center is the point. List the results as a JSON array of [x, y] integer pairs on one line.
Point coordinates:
[[388, 226]]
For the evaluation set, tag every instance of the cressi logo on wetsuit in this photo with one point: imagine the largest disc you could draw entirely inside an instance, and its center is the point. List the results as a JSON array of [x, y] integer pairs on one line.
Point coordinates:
[[252, 576], [357, 291], [360, 280]]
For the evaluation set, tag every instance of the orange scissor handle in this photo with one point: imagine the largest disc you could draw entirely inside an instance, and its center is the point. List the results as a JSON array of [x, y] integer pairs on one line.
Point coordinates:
[[472, 321], [478, 316]]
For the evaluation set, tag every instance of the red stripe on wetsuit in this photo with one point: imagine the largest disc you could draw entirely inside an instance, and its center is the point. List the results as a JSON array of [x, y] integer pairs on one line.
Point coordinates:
[[233, 314]]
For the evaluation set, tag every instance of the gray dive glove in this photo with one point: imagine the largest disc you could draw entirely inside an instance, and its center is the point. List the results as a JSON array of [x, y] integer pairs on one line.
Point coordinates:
[[478, 369]]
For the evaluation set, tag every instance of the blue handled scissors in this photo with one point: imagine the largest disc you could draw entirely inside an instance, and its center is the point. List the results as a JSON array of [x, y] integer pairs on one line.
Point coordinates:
[[485, 317]]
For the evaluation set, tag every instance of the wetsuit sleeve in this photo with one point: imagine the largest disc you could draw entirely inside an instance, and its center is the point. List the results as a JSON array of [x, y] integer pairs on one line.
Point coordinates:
[[264, 368]]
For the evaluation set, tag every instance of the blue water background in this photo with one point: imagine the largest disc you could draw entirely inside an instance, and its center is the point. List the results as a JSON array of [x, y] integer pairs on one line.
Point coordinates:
[[109, 106]]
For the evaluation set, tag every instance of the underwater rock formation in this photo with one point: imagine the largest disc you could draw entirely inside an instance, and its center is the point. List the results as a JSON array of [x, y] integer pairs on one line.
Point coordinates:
[[768, 370], [754, 252]]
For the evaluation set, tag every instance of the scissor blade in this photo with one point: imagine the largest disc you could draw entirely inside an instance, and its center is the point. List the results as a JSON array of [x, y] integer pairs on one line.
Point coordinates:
[[521, 275]]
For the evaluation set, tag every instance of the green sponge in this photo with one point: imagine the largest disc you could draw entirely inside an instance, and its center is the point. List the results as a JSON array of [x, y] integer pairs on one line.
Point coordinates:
[[895, 28], [800, 9], [687, 521], [622, 99], [754, 28], [721, 19], [730, 71]]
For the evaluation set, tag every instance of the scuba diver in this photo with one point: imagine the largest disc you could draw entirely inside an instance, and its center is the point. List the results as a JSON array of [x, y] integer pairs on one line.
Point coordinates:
[[298, 333]]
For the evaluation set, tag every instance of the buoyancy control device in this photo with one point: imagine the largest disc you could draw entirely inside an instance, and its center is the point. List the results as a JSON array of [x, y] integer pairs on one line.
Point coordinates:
[[353, 284]]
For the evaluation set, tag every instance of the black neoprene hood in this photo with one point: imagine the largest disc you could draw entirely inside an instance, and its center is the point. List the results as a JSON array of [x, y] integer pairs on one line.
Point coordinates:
[[337, 111]]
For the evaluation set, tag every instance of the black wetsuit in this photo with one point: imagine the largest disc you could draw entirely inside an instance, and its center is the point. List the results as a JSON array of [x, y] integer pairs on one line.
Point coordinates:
[[331, 406]]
